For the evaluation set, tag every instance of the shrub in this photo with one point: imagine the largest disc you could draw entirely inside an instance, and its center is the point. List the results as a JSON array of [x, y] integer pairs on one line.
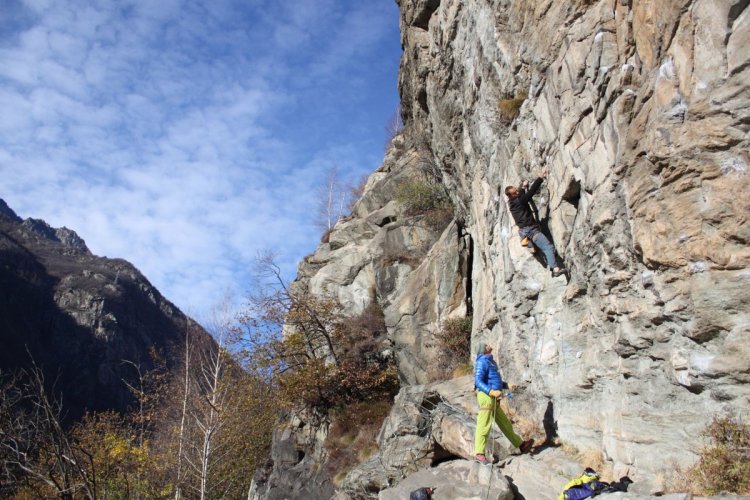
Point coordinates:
[[118, 465], [411, 257], [359, 368], [419, 197], [465, 368], [724, 464], [367, 372], [508, 109], [320, 358], [366, 381], [312, 383], [454, 342], [439, 218], [352, 435], [367, 326], [426, 198]]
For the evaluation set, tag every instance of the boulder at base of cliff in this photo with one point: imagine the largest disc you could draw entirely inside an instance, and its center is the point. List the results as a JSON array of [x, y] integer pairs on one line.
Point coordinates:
[[455, 479]]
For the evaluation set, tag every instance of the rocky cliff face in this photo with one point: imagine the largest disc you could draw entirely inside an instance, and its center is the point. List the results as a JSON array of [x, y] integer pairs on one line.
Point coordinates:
[[85, 320], [640, 111]]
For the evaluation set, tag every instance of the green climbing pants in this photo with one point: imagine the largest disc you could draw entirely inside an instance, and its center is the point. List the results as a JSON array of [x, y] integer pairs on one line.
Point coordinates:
[[487, 408]]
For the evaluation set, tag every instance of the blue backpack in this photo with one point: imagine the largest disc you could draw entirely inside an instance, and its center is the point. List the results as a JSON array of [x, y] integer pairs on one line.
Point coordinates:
[[585, 490], [586, 485]]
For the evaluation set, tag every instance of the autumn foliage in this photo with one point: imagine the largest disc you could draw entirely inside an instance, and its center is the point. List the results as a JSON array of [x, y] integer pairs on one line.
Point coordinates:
[[724, 463], [196, 431], [453, 342], [201, 428], [318, 357]]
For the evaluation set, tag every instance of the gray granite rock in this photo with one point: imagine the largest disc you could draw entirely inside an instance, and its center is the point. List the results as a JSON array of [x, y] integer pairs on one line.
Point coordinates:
[[640, 110]]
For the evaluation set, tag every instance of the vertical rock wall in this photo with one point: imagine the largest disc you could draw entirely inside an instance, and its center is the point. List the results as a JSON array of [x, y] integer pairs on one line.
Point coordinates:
[[417, 273], [640, 110]]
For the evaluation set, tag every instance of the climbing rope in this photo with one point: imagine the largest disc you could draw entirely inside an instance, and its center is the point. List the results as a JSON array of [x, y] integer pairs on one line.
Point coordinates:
[[396, 468], [492, 448]]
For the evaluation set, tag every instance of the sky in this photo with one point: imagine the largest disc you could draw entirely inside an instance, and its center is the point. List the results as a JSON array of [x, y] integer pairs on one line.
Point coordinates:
[[188, 136]]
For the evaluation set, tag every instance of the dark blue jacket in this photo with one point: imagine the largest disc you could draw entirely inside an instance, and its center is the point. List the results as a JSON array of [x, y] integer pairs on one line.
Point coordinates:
[[486, 375]]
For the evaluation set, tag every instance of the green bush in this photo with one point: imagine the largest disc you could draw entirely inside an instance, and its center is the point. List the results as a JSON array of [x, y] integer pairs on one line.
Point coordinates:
[[426, 198], [419, 197]]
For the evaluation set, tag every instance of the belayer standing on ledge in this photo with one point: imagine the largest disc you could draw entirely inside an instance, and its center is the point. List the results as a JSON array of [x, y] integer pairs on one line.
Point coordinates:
[[528, 227], [489, 386]]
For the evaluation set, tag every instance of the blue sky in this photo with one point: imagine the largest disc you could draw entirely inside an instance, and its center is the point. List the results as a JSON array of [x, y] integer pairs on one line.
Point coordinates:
[[186, 136]]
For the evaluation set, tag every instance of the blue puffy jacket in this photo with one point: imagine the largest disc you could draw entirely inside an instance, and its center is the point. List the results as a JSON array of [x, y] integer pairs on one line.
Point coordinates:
[[486, 375]]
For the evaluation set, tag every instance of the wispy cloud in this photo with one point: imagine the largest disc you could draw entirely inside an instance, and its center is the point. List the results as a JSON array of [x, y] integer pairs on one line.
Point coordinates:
[[186, 136]]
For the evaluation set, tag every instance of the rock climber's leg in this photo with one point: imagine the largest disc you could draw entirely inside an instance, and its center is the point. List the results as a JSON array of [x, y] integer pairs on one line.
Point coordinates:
[[484, 422], [504, 423], [545, 246]]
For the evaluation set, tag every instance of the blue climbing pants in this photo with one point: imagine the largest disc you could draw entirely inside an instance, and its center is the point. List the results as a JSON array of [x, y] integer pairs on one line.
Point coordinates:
[[541, 242]]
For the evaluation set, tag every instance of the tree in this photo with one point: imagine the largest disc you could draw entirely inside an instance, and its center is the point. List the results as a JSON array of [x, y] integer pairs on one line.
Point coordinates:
[[288, 334], [183, 414], [223, 420], [317, 357], [332, 200], [245, 437], [204, 442], [119, 463], [393, 127], [38, 455], [320, 362], [207, 412]]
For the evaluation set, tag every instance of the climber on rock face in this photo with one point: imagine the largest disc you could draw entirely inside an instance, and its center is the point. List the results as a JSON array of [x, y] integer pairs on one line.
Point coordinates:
[[489, 384], [518, 202]]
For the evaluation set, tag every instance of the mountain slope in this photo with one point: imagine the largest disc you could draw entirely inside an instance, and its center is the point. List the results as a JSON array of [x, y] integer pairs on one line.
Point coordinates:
[[85, 320]]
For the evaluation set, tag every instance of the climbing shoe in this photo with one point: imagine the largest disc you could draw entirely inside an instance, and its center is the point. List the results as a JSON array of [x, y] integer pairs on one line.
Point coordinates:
[[557, 273], [525, 241], [526, 446], [481, 458]]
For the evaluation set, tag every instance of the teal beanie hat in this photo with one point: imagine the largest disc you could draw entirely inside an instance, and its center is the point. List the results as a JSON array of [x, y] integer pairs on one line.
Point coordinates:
[[480, 348]]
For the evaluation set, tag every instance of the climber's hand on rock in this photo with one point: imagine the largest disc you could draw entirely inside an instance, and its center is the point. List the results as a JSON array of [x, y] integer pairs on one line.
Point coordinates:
[[525, 184], [543, 172], [495, 393]]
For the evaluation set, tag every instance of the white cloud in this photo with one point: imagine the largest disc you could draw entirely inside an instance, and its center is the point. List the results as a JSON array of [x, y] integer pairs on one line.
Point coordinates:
[[188, 136]]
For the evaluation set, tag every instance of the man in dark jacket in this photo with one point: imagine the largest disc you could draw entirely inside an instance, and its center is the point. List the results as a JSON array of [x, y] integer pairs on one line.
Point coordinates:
[[518, 202], [489, 384]]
